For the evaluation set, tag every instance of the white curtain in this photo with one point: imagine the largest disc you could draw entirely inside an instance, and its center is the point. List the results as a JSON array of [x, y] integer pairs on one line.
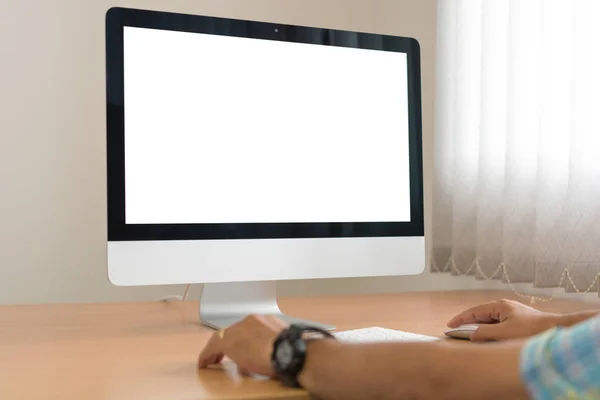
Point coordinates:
[[517, 142]]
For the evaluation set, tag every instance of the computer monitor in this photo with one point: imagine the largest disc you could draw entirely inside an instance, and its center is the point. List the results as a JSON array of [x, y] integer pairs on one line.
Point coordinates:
[[240, 153]]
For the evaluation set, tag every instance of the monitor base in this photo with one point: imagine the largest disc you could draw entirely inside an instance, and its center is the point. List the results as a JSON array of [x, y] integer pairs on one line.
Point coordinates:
[[224, 304]]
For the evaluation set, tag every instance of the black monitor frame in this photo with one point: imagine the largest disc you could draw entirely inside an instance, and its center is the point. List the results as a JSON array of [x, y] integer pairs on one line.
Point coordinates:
[[118, 230]]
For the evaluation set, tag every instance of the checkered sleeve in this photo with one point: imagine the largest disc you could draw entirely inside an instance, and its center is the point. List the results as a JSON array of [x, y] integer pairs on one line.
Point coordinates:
[[563, 363]]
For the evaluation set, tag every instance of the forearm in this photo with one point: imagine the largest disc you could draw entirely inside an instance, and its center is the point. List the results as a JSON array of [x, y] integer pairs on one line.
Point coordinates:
[[567, 320], [439, 370]]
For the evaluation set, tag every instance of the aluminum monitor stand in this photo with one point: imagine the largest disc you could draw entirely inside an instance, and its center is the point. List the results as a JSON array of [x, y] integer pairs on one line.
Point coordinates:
[[224, 304]]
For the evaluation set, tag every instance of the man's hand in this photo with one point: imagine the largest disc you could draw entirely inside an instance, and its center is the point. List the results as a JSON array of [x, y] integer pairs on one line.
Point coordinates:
[[347, 371], [504, 319], [248, 343]]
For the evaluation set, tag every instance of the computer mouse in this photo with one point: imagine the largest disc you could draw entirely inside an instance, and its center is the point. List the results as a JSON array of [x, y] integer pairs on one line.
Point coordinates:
[[462, 332]]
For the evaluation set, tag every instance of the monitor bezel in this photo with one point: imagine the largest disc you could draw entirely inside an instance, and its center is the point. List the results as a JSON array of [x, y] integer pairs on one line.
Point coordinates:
[[118, 230]]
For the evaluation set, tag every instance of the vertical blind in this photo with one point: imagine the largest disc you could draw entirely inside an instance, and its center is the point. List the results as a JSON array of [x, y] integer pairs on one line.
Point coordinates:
[[517, 142]]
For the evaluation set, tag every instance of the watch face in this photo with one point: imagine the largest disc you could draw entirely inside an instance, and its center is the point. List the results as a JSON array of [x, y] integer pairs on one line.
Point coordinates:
[[284, 354]]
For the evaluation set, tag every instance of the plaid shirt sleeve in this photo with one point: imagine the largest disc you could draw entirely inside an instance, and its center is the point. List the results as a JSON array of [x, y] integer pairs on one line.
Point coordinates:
[[563, 363]]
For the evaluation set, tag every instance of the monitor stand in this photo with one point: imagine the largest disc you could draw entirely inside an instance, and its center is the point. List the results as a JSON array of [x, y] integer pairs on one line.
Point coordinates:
[[224, 304]]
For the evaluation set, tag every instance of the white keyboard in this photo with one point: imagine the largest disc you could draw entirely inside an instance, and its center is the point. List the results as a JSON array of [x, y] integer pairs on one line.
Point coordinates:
[[377, 334]]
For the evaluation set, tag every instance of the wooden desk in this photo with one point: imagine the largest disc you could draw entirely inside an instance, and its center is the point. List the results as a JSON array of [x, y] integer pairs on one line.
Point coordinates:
[[148, 350]]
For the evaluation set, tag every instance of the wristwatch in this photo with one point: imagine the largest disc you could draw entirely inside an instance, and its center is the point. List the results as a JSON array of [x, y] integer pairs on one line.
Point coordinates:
[[289, 352]]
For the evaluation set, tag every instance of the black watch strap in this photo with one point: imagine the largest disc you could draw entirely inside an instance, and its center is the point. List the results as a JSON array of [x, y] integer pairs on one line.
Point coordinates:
[[292, 343]]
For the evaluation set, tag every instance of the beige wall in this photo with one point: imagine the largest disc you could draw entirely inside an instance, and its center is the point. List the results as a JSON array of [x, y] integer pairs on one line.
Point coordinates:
[[52, 244]]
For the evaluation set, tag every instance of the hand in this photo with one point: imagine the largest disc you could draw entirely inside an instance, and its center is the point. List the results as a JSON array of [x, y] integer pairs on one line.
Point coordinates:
[[504, 319], [248, 343]]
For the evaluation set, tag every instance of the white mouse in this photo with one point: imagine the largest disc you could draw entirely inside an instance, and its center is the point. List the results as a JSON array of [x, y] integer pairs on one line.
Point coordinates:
[[462, 332]]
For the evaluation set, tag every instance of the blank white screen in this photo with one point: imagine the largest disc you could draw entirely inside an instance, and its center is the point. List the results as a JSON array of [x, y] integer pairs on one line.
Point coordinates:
[[234, 130]]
